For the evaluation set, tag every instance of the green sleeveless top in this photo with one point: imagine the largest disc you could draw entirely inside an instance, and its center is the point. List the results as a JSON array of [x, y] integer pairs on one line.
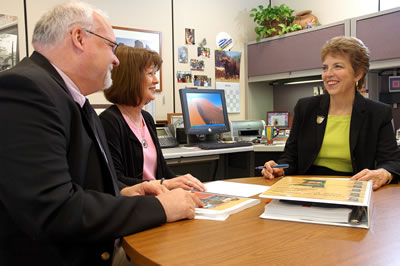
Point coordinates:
[[335, 149]]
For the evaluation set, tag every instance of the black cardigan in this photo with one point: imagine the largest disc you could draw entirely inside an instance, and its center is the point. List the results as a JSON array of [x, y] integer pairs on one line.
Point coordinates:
[[127, 151], [372, 140]]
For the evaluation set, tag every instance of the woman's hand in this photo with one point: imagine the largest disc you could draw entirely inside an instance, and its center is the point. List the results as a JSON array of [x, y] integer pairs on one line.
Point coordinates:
[[187, 182], [144, 188], [379, 177], [271, 173]]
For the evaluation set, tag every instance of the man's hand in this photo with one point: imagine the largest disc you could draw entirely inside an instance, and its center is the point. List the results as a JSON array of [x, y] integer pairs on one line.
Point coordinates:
[[144, 188], [179, 204]]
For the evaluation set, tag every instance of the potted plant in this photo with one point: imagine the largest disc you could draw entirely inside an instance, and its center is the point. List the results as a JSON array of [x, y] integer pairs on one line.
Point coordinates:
[[273, 20]]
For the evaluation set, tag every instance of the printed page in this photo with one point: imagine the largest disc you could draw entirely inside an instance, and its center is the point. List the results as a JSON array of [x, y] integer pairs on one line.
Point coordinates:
[[234, 188]]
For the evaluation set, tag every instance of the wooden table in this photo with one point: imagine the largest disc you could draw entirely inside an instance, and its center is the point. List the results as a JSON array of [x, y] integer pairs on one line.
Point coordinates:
[[246, 239]]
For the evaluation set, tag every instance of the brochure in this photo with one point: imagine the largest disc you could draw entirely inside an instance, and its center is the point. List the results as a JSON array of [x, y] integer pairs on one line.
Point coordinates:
[[219, 206]]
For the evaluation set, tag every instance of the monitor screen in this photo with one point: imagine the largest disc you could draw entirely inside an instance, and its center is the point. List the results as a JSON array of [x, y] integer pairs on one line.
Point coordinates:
[[204, 111], [278, 118]]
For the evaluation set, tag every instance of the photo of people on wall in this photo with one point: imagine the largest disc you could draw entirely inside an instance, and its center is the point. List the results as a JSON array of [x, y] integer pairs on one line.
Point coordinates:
[[184, 77], [182, 54], [189, 36], [197, 65], [203, 52], [202, 81]]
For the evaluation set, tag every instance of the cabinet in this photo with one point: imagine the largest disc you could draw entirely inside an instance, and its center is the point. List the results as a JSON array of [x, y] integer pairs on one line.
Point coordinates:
[[380, 33], [293, 52]]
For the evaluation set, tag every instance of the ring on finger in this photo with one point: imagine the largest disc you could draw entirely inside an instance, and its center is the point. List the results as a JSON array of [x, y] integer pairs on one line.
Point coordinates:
[[188, 183]]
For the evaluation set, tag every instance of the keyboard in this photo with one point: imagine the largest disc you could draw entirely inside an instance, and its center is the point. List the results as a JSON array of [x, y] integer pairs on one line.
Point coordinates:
[[221, 145]]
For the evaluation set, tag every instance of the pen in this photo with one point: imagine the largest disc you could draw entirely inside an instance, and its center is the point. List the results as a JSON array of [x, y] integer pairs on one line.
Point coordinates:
[[355, 217], [273, 166]]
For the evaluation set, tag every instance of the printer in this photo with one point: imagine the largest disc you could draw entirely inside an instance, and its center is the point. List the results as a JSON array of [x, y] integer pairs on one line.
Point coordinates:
[[247, 130]]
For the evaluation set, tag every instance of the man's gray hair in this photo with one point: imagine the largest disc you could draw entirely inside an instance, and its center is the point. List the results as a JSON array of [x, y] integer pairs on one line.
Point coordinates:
[[55, 23]]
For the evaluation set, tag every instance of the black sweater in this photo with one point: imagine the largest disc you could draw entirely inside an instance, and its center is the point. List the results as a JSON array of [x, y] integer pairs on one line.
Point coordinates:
[[126, 149]]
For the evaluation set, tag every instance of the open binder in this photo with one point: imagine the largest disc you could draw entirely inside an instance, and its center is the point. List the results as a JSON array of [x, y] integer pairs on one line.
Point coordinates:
[[322, 200]]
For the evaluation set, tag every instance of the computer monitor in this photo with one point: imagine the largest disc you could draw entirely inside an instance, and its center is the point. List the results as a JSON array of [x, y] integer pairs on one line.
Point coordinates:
[[204, 114]]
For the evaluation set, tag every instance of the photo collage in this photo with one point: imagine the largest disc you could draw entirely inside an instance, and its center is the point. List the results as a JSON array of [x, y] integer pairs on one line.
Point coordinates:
[[196, 62]]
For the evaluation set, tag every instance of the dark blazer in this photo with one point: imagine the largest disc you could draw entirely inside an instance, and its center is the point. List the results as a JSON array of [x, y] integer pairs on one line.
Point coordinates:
[[58, 203], [372, 140], [126, 149]]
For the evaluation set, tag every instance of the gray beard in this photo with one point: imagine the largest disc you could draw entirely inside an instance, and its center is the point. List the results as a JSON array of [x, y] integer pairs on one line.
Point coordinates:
[[107, 78]]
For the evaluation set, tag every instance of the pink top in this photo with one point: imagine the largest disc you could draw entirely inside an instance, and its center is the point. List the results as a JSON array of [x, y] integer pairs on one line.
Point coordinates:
[[149, 153]]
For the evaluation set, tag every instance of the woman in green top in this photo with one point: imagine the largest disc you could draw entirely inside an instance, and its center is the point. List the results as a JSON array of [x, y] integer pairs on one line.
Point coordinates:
[[341, 132]]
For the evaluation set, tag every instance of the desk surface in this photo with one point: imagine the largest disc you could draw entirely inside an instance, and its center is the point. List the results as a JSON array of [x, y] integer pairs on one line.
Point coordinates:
[[246, 239], [269, 148], [180, 152]]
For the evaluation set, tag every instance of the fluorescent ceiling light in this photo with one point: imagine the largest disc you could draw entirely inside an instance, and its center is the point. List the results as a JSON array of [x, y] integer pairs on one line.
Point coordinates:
[[302, 81]]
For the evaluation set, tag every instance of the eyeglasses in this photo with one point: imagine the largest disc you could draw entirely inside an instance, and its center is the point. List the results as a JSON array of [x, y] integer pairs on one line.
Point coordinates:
[[115, 45]]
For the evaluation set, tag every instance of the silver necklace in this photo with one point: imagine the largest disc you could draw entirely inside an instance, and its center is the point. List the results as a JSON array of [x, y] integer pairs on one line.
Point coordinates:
[[141, 129]]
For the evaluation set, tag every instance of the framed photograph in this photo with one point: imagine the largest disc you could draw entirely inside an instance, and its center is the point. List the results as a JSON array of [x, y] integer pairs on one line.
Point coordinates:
[[9, 52], [278, 118], [175, 119], [394, 84], [142, 39]]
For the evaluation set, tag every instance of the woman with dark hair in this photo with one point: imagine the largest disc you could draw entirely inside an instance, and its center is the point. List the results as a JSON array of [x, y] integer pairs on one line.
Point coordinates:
[[341, 132], [130, 131]]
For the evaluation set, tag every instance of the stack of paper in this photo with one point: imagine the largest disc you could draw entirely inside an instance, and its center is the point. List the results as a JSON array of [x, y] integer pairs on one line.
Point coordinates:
[[279, 210]]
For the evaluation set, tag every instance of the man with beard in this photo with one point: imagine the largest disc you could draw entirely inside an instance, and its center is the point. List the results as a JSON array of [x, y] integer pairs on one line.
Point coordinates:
[[60, 203]]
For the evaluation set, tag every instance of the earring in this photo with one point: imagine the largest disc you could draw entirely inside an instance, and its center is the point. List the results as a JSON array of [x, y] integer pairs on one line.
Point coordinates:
[[357, 84]]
